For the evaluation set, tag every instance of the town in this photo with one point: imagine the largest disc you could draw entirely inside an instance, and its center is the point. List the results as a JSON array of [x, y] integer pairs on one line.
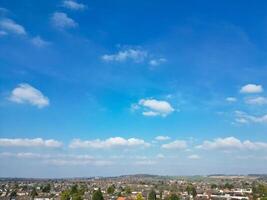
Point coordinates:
[[137, 187]]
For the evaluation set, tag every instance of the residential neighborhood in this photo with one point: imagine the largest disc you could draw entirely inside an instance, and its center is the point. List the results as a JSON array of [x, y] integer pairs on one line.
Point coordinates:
[[139, 187]]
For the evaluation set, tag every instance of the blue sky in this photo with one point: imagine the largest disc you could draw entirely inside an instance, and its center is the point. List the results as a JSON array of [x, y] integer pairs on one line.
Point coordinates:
[[91, 88]]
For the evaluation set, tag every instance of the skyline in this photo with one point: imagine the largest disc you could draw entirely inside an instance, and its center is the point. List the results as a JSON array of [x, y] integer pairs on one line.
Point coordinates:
[[108, 88]]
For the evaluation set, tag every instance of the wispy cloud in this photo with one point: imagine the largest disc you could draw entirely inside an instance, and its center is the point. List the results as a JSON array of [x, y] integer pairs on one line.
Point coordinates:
[[194, 157], [62, 21], [24, 155], [136, 55], [145, 162], [113, 142], [39, 42], [58, 159], [231, 99], [160, 156], [156, 62], [3, 33], [256, 100], [10, 26], [26, 142], [243, 117], [177, 144], [3, 11], [25, 93], [68, 162]]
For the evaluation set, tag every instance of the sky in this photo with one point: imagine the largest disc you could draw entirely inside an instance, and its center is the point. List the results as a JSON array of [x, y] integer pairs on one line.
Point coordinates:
[[107, 88]]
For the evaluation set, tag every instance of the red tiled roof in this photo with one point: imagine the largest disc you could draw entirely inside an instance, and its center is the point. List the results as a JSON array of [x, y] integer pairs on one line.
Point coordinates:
[[121, 198]]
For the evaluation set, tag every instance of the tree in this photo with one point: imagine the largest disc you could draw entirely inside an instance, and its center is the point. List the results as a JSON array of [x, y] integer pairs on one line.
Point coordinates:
[[121, 189], [160, 194], [259, 190], [65, 195], [73, 193], [173, 197], [191, 190], [24, 188], [213, 186], [13, 194], [76, 196], [46, 188], [97, 195], [16, 186], [111, 189], [119, 194], [228, 186], [34, 193], [128, 190], [139, 196], [74, 189], [152, 195], [194, 192]]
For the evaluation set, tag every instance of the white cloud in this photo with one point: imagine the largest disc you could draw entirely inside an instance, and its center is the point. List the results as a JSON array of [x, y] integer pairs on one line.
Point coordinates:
[[8, 25], [25, 93], [39, 42], [221, 143], [61, 21], [231, 99], [243, 117], [135, 55], [112, 142], [153, 107], [73, 5], [177, 144], [156, 62], [251, 88], [194, 157], [256, 100], [36, 142], [162, 138], [231, 143]]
